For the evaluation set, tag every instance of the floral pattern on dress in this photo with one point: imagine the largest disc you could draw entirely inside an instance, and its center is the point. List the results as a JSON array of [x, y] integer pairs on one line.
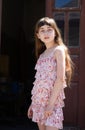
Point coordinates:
[[46, 74]]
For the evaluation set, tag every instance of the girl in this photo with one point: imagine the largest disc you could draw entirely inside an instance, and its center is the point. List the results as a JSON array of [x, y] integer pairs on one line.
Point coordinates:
[[53, 73]]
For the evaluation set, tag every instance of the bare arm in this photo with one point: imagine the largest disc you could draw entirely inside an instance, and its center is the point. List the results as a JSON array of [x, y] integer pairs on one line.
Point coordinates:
[[60, 58]]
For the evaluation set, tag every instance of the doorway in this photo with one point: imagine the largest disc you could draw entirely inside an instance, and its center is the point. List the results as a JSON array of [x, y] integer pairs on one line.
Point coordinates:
[[17, 48]]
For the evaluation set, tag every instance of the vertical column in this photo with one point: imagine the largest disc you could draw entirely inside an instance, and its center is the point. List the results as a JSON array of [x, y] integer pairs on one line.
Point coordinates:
[[49, 6], [0, 20], [81, 112]]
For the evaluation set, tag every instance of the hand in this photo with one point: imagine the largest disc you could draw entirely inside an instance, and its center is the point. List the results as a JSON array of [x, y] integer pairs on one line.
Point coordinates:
[[30, 112], [48, 111]]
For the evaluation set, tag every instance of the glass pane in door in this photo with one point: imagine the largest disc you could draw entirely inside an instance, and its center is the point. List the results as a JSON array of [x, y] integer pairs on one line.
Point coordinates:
[[59, 18], [66, 3], [74, 24]]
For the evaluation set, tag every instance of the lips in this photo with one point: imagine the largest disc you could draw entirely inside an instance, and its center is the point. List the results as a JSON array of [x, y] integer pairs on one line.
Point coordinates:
[[46, 37]]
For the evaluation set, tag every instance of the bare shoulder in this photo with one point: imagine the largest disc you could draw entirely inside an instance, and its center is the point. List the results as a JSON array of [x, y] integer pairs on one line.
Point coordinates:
[[60, 50]]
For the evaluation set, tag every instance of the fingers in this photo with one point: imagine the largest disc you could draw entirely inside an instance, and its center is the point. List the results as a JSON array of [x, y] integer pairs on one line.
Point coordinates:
[[47, 113], [30, 113]]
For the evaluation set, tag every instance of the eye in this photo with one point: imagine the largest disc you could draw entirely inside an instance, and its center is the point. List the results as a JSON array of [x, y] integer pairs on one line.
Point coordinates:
[[50, 30], [42, 31]]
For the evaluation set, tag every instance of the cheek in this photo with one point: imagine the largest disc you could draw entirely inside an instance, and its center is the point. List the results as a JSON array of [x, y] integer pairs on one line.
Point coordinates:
[[53, 35], [38, 36]]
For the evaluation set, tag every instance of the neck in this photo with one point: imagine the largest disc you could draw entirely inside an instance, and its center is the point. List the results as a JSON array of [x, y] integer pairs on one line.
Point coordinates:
[[51, 46]]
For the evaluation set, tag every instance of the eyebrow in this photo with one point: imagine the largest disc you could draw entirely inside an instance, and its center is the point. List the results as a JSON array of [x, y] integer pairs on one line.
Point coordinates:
[[47, 27]]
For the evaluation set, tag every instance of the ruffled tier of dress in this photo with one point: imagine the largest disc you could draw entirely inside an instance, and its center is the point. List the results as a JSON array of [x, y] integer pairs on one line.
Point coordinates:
[[44, 82]]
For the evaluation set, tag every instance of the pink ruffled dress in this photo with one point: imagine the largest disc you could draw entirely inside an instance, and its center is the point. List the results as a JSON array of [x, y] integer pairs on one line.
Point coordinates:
[[46, 74]]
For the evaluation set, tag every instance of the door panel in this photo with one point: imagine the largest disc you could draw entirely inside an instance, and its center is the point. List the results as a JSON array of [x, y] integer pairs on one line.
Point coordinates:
[[71, 105], [72, 92], [67, 17], [70, 34]]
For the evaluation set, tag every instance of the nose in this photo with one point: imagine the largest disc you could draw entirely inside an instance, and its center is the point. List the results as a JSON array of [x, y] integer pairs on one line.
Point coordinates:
[[46, 32]]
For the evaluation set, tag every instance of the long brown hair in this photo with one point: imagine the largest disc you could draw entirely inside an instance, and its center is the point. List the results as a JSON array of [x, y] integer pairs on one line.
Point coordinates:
[[40, 47]]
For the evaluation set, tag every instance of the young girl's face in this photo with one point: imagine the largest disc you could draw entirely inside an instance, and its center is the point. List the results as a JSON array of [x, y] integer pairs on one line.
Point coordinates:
[[46, 34]]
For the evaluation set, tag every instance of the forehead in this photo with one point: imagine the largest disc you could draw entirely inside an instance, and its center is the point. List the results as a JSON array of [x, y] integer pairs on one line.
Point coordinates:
[[45, 27]]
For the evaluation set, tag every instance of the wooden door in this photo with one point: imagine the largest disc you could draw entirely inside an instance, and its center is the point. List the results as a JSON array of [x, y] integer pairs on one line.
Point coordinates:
[[67, 15]]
